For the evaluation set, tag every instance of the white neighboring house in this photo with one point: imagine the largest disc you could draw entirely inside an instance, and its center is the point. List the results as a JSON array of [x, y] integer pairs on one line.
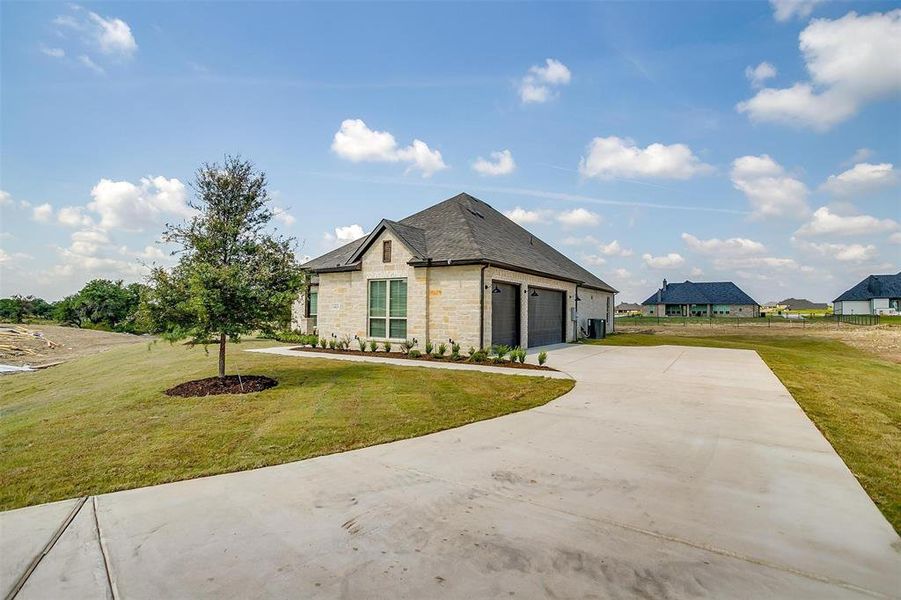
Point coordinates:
[[875, 295]]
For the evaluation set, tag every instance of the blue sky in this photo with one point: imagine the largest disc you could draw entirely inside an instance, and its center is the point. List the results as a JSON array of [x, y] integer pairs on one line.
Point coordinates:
[[748, 141]]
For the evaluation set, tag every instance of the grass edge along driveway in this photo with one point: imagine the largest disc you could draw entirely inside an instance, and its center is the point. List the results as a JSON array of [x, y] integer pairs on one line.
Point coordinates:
[[851, 396], [102, 423]]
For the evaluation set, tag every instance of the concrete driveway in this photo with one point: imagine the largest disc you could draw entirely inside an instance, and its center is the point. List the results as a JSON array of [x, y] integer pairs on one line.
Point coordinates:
[[667, 472]]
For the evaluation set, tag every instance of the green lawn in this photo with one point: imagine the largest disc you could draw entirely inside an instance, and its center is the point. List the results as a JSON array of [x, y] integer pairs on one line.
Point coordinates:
[[102, 423], [853, 397]]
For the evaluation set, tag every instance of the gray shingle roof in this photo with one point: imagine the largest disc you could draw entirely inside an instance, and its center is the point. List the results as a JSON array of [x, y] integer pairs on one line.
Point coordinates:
[[463, 229], [712, 292], [874, 286]]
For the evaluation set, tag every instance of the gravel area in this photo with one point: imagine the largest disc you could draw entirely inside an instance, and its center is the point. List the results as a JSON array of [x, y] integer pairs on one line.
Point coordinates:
[[43, 345]]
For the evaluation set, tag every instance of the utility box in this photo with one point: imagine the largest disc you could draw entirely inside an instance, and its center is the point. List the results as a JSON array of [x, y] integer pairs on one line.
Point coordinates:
[[597, 328]]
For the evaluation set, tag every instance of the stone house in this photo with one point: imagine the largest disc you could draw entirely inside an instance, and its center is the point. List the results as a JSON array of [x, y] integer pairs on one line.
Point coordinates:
[[458, 271], [700, 299]]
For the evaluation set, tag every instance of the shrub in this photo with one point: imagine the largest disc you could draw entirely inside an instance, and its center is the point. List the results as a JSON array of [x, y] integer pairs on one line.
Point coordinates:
[[387, 346], [442, 349], [406, 346], [472, 350], [322, 342], [429, 347], [542, 358], [479, 356], [415, 354], [501, 350], [455, 349], [518, 354], [361, 343], [373, 345], [344, 343], [332, 344]]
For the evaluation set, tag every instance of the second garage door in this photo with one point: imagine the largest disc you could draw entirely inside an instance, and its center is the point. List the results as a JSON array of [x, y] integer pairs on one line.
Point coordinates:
[[547, 317]]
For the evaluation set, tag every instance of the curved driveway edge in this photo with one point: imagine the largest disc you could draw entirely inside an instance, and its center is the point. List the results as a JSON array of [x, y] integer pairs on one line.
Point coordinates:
[[667, 472]]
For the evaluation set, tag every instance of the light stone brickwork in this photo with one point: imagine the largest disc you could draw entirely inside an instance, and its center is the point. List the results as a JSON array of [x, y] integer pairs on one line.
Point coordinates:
[[449, 297]]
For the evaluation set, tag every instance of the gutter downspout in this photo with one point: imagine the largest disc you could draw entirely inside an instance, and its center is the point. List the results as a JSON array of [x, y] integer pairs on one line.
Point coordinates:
[[482, 306], [428, 298]]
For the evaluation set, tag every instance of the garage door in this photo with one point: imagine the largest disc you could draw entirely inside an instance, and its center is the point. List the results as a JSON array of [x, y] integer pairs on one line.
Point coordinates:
[[505, 314], [547, 313]]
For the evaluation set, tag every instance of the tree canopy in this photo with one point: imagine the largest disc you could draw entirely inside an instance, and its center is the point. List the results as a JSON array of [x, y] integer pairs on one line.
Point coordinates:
[[233, 275]]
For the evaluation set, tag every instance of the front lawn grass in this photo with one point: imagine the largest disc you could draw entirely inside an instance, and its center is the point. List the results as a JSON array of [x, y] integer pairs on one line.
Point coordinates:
[[853, 397], [102, 423]]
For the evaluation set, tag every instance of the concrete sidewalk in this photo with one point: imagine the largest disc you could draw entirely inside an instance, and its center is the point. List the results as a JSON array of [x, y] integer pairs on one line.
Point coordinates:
[[667, 472]]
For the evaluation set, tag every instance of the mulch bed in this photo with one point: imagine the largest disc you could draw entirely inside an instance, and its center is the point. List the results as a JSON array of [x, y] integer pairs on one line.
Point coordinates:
[[425, 358], [231, 384]]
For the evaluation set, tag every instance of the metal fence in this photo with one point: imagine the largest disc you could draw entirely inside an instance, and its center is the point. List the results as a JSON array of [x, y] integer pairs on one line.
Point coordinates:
[[857, 319], [762, 321]]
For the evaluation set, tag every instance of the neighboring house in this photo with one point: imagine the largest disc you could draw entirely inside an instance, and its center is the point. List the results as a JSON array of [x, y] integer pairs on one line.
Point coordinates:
[[627, 308], [704, 299], [803, 304], [874, 295], [459, 271]]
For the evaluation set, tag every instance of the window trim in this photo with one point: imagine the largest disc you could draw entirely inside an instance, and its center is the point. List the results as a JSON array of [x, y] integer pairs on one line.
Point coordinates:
[[387, 318], [386, 251]]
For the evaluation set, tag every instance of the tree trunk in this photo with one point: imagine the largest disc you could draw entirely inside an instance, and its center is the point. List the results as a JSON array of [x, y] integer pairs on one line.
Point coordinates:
[[221, 356]]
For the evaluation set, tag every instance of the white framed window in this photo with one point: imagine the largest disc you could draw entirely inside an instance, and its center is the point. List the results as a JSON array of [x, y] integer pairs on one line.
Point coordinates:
[[388, 309]]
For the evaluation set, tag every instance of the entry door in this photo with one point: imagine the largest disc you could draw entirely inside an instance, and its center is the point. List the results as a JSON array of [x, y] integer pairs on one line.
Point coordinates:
[[505, 314], [547, 317]]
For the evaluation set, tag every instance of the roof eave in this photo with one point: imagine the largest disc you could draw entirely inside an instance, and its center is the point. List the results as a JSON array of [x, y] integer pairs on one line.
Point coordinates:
[[509, 267]]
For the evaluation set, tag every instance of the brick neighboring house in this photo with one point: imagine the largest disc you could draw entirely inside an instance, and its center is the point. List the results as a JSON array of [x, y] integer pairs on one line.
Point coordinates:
[[459, 270], [700, 299], [877, 294]]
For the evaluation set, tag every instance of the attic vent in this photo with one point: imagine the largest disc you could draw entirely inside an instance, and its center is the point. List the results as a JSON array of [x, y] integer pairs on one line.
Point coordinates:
[[476, 213]]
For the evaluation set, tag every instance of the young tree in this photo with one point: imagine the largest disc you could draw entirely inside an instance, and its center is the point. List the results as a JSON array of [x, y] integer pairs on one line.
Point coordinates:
[[233, 276]]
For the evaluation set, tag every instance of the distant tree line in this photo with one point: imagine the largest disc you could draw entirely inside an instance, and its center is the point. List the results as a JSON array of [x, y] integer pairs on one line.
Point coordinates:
[[100, 304]]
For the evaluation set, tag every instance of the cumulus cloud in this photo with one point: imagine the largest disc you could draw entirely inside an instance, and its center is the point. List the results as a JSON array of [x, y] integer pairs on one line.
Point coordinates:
[[785, 10], [895, 238], [73, 216], [861, 178], [667, 261], [578, 217], [356, 142], [622, 273], [52, 52], [500, 163], [6, 198], [540, 82], [125, 205], [840, 252], [594, 260], [525, 217], [770, 191], [614, 248], [42, 213], [284, 217], [825, 222], [344, 235], [732, 246], [109, 35], [759, 74], [613, 156], [851, 61]]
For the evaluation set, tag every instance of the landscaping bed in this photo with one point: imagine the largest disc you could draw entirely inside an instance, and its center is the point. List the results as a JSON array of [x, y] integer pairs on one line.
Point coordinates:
[[230, 384], [491, 362]]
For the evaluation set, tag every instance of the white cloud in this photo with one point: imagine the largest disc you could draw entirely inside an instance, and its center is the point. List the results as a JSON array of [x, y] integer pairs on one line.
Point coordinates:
[[895, 238], [614, 249], [5, 198], [860, 155], [696, 272], [785, 10], [124, 205], [770, 191], [42, 213], [852, 61], [525, 217], [73, 216], [579, 241], [776, 263], [759, 74], [356, 142], [284, 217], [578, 217], [89, 242], [85, 60], [840, 252], [593, 260], [501, 163], [825, 222], [612, 157], [666, 261], [53, 52], [343, 235], [538, 85], [733, 246], [113, 36], [861, 178], [622, 273]]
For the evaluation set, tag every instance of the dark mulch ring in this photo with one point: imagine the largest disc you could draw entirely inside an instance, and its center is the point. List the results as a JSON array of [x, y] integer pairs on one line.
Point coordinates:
[[231, 384], [491, 362]]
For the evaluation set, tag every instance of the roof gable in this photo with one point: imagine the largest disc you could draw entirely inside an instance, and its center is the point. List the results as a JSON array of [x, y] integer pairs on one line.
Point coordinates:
[[465, 229]]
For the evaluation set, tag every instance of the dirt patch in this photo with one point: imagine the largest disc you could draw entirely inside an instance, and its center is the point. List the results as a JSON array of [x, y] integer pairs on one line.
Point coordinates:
[[426, 358], [230, 384], [43, 345]]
